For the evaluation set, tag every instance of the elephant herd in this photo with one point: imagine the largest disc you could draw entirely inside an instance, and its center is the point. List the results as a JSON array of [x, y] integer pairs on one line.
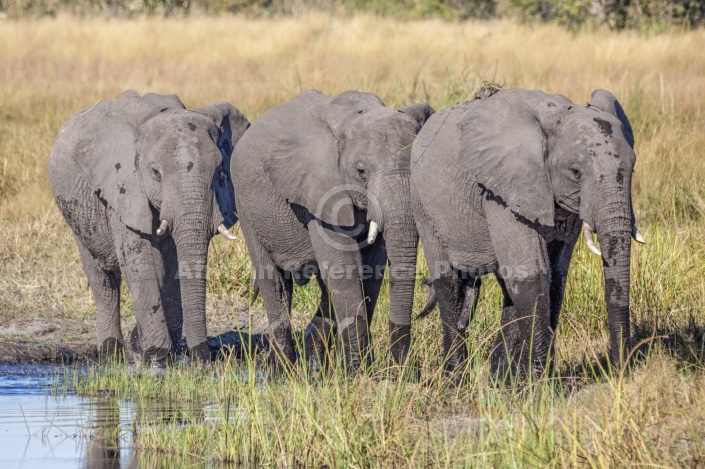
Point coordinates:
[[342, 189]]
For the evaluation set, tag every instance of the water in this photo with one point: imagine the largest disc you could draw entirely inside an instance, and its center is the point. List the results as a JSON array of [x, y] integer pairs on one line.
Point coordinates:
[[41, 430]]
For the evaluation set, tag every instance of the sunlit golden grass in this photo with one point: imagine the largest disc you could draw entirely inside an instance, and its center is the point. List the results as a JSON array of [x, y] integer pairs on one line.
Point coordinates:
[[51, 69]]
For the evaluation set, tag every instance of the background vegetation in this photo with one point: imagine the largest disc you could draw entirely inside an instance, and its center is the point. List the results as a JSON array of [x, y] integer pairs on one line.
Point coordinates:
[[50, 69], [647, 15]]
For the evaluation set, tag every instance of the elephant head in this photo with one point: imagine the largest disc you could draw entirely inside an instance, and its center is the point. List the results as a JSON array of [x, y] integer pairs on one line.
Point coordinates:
[[352, 152], [164, 170], [552, 158]]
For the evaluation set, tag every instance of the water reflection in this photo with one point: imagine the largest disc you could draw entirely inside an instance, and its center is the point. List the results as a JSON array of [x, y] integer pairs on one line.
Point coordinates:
[[103, 448], [38, 430]]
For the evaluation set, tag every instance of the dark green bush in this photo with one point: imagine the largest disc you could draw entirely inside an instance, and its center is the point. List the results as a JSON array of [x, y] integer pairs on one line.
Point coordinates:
[[574, 14], [616, 14]]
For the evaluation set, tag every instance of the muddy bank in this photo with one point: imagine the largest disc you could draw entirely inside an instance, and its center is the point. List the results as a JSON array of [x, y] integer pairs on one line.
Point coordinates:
[[230, 343], [30, 353]]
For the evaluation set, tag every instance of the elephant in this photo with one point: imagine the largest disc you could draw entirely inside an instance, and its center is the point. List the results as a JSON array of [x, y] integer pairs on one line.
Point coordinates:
[[503, 184], [144, 183], [323, 189]]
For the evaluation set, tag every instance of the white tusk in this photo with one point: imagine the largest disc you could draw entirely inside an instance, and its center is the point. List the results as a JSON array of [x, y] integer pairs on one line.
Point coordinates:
[[226, 232], [163, 226], [587, 232], [637, 236], [372, 233]]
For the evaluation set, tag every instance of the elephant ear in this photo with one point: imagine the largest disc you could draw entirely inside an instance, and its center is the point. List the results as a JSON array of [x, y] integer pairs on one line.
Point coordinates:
[[605, 101], [110, 155], [231, 125], [505, 155], [419, 111], [111, 161], [302, 160]]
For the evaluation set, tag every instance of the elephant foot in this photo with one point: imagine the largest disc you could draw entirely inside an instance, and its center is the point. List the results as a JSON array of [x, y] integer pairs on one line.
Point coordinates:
[[153, 354], [353, 341], [456, 358], [516, 369], [155, 357], [400, 343], [201, 353], [506, 374], [111, 349], [135, 349], [279, 367], [154, 369], [455, 363], [282, 353], [317, 340]]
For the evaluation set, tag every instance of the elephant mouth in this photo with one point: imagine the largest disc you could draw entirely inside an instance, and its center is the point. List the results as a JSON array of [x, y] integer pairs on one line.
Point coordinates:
[[562, 211], [569, 202]]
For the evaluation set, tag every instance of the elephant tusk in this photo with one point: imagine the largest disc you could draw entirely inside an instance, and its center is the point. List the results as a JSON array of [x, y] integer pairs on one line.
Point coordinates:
[[226, 232], [163, 226], [372, 233], [587, 232], [637, 236]]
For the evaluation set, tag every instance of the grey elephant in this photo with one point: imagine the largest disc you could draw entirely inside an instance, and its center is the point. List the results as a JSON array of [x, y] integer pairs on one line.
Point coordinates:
[[323, 189], [144, 184], [502, 184]]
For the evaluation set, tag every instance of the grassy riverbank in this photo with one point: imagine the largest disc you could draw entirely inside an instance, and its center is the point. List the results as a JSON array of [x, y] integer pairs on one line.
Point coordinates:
[[50, 69]]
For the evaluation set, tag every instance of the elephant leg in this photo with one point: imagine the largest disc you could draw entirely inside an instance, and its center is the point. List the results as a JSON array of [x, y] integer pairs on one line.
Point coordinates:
[[105, 286], [450, 290], [141, 264], [320, 331], [171, 292], [524, 339], [276, 287], [373, 259], [559, 254], [500, 350], [374, 264], [339, 262]]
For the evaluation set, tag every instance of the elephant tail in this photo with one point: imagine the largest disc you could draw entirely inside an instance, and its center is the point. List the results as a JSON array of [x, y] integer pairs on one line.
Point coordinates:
[[255, 293], [430, 303]]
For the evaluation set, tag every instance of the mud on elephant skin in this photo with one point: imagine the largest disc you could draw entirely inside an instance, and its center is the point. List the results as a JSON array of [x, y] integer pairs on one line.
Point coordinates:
[[322, 185], [144, 183], [503, 184]]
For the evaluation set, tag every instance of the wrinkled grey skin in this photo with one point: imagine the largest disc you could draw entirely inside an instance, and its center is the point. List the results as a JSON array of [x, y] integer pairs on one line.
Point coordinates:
[[116, 170], [312, 175], [503, 184]]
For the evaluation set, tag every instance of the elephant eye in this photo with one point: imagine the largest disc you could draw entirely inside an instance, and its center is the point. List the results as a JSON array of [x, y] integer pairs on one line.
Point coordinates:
[[576, 173], [156, 174], [361, 171]]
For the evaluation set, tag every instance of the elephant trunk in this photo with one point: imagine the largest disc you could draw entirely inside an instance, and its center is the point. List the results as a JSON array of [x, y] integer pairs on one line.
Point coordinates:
[[191, 233], [614, 225], [401, 239]]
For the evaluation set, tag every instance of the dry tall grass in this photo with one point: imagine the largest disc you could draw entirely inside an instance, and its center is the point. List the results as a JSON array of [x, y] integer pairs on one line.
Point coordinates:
[[51, 69]]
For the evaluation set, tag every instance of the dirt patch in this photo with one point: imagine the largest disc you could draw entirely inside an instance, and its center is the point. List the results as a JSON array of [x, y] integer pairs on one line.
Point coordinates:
[[235, 329], [231, 343], [29, 328]]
